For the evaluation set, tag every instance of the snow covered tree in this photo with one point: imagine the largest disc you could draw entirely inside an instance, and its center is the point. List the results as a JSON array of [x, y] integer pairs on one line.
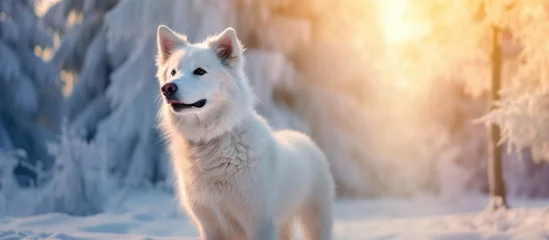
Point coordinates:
[[30, 93], [522, 21], [78, 183], [522, 111]]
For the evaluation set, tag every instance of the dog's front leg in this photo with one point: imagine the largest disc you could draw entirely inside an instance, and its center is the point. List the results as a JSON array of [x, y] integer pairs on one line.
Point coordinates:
[[209, 226]]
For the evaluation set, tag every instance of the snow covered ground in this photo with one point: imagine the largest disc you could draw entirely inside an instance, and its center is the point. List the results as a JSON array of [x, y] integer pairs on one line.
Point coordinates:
[[154, 215]]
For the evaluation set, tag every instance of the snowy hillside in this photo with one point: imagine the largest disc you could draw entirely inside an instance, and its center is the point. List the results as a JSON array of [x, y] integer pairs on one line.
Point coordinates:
[[153, 215]]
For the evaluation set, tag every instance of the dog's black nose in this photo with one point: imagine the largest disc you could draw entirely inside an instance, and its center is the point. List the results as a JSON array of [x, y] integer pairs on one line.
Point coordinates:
[[168, 89]]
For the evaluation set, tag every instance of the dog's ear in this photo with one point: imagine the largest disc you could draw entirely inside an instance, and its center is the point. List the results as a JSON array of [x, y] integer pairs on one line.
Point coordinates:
[[227, 46], [167, 40]]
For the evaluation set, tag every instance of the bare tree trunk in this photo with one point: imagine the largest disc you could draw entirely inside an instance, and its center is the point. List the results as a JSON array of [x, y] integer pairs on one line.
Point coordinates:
[[495, 166]]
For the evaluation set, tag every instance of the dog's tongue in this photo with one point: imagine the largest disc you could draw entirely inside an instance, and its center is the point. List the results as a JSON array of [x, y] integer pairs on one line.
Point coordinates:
[[174, 102]]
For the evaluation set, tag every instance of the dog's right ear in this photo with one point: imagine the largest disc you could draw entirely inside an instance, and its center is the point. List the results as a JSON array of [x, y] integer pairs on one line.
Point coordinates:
[[167, 41]]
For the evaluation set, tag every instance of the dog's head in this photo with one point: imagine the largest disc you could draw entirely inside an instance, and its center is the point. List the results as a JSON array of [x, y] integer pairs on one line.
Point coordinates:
[[203, 84]]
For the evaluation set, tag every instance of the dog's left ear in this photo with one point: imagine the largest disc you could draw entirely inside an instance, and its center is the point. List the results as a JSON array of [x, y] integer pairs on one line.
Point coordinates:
[[227, 46]]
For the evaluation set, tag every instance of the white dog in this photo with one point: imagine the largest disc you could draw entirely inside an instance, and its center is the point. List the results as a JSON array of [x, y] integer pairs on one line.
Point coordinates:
[[237, 178]]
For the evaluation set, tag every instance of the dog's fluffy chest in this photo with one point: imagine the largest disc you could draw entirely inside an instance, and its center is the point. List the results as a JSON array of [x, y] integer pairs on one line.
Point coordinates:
[[219, 161]]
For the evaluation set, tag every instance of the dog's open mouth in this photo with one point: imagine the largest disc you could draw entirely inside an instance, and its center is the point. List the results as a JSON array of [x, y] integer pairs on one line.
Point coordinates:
[[177, 106]]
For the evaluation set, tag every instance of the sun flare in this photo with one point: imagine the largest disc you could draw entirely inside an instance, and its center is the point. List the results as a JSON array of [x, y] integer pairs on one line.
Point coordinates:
[[402, 25], [396, 25]]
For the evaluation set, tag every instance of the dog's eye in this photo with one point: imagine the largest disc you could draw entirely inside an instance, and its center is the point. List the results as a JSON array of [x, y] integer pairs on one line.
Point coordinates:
[[199, 72], [173, 72]]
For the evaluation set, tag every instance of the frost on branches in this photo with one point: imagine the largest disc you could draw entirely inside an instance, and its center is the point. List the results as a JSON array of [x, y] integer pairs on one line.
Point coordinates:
[[524, 122]]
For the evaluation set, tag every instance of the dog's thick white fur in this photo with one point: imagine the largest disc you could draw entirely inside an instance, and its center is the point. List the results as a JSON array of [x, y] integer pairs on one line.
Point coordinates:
[[237, 178]]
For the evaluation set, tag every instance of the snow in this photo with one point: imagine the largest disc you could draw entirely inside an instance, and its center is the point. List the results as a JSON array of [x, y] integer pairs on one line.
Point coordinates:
[[154, 214]]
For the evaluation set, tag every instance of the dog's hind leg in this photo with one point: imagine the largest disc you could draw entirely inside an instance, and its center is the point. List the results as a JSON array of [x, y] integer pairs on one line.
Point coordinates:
[[316, 219]]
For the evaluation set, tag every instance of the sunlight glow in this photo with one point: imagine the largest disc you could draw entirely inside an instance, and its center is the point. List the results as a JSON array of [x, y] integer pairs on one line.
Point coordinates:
[[401, 25], [396, 26]]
